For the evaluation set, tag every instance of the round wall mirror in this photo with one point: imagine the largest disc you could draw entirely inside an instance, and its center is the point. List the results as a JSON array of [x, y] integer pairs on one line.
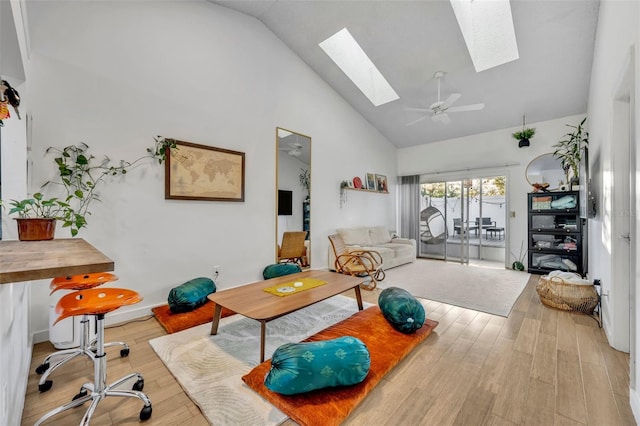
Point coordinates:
[[545, 169]]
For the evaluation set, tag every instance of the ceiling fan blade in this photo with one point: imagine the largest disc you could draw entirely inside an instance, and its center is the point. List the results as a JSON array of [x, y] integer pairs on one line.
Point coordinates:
[[416, 109], [451, 99], [441, 118], [417, 120], [462, 108]]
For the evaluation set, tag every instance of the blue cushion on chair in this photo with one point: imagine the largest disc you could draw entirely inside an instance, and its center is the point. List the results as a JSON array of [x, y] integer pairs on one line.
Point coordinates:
[[306, 366], [403, 311], [280, 269], [190, 295]]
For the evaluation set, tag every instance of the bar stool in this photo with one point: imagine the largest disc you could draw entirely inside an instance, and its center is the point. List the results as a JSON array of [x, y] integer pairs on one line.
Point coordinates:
[[86, 347], [98, 302]]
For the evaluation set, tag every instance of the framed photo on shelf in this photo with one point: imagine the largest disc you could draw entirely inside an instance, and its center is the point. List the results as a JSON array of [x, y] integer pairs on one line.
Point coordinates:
[[371, 182], [201, 172], [381, 183]]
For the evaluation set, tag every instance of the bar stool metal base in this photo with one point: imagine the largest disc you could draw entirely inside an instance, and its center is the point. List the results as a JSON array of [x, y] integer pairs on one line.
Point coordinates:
[[87, 349], [98, 390]]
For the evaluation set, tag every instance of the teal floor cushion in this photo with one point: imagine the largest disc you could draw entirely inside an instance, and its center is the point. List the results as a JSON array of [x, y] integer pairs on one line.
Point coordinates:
[[403, 311], [306, 366], [280, 269], [190, 295]]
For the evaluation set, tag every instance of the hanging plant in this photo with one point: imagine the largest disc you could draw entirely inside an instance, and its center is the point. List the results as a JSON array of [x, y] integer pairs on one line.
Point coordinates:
[[523, 136]]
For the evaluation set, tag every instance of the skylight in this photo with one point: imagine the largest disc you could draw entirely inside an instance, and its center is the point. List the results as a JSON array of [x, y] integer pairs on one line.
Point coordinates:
[[487, 28], [345, 51]]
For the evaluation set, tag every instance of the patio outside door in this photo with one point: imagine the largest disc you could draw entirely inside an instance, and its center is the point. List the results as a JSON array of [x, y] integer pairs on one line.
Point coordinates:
[[463, 220]]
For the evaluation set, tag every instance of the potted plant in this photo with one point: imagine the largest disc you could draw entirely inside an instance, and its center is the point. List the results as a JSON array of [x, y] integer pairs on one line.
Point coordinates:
[[523, 136], [569, 150], [79, 177], [305, 180], [518, 264]]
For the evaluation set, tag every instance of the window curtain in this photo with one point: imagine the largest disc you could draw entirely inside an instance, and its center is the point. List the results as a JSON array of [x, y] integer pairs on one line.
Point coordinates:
[[410, 208]]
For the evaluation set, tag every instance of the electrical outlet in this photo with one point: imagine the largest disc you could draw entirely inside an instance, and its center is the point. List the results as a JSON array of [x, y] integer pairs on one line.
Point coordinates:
[[216, 272]]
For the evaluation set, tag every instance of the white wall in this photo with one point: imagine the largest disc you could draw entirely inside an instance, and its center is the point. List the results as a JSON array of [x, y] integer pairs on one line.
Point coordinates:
[[115, 74], [489, 152], [617, 36], [15, 337]]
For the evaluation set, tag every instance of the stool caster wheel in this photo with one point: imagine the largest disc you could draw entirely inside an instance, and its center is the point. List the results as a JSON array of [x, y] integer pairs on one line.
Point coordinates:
[[81, 394], [124, 352], [139, 385], [145, 413], [42, 368], [45, 386]]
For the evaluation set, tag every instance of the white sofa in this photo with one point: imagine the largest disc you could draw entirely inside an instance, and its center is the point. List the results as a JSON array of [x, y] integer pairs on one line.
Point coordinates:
[[394, 251]]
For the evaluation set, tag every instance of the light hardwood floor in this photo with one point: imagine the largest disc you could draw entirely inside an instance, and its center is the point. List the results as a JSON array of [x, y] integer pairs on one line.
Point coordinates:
[[539, 366]]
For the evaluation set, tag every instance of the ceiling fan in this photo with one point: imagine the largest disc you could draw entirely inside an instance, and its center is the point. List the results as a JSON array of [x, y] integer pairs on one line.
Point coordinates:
[[439, 110], [294, 149]]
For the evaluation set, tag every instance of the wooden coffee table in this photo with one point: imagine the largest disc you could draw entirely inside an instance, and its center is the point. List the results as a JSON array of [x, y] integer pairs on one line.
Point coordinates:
[[253, 302]]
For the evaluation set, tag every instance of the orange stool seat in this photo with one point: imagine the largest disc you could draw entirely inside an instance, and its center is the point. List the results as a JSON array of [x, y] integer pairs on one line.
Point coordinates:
[[81, 282], [86, 346], [95, 301]]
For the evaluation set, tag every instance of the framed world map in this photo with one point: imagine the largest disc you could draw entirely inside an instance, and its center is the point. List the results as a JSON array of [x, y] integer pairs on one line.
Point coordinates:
[[201, 172]]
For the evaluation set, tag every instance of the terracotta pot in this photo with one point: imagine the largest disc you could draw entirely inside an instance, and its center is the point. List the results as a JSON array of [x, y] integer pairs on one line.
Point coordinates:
[[36, 229]]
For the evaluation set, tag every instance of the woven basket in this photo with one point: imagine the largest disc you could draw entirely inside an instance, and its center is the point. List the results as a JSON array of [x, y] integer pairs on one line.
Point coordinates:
[[557, 293]]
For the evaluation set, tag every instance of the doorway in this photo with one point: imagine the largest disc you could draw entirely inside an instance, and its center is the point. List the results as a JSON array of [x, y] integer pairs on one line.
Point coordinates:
[[464, 220]]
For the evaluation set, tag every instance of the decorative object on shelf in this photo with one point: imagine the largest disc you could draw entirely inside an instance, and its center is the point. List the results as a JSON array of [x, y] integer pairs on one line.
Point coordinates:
[[79, 177], [357, 182], [540, 187], [206, 173], [381, 183], [569, 151], [518, 264], [371, 182], [524, 135]]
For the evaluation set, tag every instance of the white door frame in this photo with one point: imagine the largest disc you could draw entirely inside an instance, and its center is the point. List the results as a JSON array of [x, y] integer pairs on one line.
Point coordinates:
[[621, 301]]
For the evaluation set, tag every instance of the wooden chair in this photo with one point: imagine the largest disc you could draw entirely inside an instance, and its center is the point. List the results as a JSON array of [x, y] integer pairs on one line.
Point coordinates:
[[293, 249], [360, 263]]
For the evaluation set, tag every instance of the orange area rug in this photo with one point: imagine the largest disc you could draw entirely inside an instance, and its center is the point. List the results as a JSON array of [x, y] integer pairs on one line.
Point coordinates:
[[387, 347], [173, 323]]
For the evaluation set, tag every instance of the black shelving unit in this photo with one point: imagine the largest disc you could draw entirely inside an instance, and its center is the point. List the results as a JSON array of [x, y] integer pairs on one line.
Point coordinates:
[[306, 217], [556, 233]]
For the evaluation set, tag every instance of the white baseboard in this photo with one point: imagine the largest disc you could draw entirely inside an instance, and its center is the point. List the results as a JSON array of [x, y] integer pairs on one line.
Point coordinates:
[[115, 317], [634, 401]]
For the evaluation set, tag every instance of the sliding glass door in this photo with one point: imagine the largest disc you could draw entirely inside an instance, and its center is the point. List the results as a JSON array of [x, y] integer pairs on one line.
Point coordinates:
[[463, 220]]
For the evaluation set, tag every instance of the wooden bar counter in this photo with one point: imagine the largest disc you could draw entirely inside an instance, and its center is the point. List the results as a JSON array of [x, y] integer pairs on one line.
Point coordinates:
[[35, 260]]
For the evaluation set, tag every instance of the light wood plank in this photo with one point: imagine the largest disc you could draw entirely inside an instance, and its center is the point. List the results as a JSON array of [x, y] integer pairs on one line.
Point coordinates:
[[544, 359], [570, 389]]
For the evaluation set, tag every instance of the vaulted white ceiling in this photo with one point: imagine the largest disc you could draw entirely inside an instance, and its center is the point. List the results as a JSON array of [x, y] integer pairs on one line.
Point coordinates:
[[410, 40]]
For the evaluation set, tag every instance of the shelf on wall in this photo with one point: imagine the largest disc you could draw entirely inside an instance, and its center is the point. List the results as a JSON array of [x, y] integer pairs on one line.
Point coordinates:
[[366, 190]]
